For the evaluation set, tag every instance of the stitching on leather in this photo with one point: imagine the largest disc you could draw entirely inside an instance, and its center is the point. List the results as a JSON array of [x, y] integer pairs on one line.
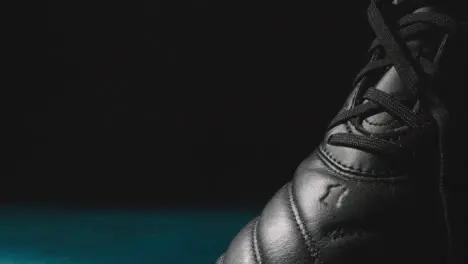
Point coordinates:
[[353, 169], [297, 218], [255, 248], [355, 178]]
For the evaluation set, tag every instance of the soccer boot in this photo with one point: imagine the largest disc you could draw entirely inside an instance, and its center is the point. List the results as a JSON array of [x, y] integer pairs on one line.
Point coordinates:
[[372, 191]]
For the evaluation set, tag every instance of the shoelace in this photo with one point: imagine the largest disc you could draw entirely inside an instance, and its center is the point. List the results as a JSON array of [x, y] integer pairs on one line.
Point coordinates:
[[413, 74]]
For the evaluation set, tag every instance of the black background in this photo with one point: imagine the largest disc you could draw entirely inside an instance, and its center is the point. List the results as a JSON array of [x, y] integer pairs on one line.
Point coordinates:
[[171, 103], [168, 102]]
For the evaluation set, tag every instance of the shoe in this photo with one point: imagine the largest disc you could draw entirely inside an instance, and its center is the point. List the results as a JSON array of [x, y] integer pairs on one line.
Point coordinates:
[[372, 191]]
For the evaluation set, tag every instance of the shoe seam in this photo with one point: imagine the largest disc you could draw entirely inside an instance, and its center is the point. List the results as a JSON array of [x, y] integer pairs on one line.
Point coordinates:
[[313, 252], [336, 169], [351, 168], [255, 247]]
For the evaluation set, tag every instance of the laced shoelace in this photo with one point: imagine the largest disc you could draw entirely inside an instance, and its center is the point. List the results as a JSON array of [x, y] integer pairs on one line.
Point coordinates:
[[414, 73]]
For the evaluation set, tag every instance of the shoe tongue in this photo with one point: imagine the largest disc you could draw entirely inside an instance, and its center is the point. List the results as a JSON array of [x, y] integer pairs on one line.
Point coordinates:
[[392, 84]]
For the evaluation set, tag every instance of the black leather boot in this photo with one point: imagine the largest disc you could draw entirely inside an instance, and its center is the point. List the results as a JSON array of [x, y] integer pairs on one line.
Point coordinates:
[[372, 191]]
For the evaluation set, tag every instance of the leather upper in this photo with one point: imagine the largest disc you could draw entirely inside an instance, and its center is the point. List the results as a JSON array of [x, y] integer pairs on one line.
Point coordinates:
[[347, 206]]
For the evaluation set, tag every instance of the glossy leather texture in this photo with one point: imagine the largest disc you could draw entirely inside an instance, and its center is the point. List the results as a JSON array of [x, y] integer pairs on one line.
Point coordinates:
[[349, 206], [339, 210]]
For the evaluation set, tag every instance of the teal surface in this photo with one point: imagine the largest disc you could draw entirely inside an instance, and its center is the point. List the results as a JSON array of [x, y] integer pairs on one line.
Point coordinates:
[[54, 236]]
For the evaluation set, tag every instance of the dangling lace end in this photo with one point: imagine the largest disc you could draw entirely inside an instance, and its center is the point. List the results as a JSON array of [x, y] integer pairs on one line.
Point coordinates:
[[441, 116]]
